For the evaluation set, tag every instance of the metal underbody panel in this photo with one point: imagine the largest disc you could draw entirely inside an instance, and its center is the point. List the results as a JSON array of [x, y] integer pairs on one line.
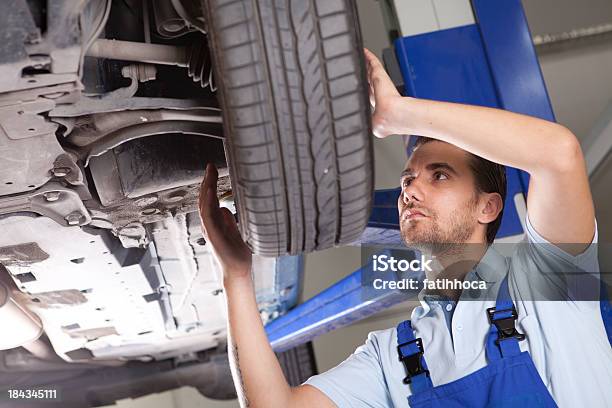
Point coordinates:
[[36, 69], [86, 296], [99, 300]]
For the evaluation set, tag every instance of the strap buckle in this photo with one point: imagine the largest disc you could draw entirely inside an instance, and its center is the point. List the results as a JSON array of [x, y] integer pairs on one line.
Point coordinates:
[[505, 326], [412, 362]]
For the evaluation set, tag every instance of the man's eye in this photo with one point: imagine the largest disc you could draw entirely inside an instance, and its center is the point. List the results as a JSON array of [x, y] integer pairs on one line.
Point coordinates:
[[438, 175], [406, 182]]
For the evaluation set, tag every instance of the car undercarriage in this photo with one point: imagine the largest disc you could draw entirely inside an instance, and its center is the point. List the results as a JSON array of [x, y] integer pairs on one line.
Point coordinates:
[[101, 160]]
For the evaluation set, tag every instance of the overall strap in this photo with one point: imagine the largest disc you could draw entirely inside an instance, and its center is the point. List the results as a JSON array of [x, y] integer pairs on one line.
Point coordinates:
[[503, 338], [410, 350]]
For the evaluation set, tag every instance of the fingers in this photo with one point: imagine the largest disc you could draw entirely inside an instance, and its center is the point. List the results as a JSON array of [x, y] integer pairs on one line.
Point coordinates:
[[208, 201], [369, 55], [371, 90], [216, 221], [372, 61], [369, 67], [373, 73], [211, 176], [208, 190], [230, 222], [378, 79]]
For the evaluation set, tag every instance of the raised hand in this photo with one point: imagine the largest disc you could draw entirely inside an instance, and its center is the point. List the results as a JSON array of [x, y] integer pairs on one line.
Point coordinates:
[[221, 230], [384, 98]]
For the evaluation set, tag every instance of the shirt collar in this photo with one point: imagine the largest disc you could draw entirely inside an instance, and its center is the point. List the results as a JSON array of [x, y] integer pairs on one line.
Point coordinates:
[[492, 268]]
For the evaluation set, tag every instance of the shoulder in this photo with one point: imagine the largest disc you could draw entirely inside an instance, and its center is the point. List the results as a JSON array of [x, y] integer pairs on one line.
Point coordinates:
[[535, 252], [541, 270], [378, 341], [383, 335]]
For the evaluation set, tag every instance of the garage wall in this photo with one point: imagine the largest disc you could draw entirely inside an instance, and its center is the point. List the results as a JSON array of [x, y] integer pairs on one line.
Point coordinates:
[[579, 81], [578, 75], [554, 16]]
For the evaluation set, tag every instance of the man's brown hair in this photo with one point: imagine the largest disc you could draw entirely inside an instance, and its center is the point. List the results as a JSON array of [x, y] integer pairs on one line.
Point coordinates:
[[489, 177]]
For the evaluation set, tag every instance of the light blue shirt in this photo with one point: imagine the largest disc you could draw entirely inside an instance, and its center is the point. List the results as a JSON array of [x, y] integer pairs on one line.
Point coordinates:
[[566, 339]]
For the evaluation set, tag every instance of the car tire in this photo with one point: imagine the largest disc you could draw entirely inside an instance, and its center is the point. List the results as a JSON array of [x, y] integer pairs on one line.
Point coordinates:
[[298, 364], [292, 87]]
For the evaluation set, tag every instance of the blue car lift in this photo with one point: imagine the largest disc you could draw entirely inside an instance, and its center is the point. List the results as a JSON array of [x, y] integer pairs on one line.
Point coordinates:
[[490, 63]]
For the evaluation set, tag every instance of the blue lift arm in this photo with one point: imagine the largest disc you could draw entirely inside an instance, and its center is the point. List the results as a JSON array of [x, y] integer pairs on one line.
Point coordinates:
[[343, 303]]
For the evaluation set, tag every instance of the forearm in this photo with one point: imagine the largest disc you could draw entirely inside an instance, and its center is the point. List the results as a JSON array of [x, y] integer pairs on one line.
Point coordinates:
[[520, 141], [258, 376]]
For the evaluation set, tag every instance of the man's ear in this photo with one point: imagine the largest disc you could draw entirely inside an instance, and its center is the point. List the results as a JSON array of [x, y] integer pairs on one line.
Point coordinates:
[[491, 206]]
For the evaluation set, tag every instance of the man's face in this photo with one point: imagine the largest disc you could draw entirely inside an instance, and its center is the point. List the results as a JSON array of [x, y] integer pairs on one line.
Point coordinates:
[[438, 203]]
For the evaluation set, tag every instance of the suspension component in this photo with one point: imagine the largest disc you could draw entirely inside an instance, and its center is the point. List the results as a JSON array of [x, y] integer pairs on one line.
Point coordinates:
[[200, 65], [196, 57]]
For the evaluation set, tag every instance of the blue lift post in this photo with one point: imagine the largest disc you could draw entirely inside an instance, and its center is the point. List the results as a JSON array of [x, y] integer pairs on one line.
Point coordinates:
[[491, 63]]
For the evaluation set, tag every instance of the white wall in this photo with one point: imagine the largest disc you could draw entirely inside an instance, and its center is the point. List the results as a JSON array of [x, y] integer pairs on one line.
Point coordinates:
[[579, 82], [579, 75], [554, 16]]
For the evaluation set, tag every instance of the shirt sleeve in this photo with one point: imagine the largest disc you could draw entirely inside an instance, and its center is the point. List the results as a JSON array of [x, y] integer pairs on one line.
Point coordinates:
[[585, 261], [358, 381], [545, 271]]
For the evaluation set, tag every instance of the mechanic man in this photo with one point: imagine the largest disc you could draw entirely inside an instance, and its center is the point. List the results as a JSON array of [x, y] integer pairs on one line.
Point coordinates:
[[453, 189]]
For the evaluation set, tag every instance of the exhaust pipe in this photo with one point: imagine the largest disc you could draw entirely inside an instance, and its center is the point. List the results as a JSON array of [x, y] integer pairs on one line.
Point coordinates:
[[20, 327]]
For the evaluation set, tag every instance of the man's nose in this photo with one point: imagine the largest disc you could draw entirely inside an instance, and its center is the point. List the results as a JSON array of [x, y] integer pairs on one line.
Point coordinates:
[[412, 192], [408, 196]]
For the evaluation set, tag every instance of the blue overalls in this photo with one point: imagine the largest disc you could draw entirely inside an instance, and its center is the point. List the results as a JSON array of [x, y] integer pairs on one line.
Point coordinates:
[[510, 378]]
